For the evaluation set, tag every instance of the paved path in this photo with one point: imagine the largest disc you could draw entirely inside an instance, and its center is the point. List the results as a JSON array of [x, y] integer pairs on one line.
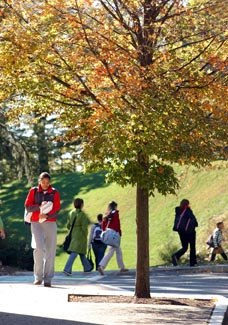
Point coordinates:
[[23, 303]]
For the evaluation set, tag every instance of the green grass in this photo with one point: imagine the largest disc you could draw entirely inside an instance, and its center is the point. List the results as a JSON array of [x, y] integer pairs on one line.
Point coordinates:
[[205, 188]]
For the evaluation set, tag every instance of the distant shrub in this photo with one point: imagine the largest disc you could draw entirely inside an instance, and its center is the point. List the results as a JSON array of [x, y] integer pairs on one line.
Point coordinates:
[[20, 257]]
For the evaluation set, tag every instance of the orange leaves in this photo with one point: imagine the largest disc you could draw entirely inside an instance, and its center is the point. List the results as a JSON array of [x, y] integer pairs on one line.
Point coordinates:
[[218, 63], [148, 79]]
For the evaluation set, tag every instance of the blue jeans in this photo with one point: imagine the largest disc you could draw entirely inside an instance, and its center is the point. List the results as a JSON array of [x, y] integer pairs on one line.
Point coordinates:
[[71, 259], [99, 250]]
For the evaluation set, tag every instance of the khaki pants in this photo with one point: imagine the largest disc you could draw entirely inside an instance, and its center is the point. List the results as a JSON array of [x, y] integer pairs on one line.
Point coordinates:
[[44, 240], [108, 256], [218, 250]]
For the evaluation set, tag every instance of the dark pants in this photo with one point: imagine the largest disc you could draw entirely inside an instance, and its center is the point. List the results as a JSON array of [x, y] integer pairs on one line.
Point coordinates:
[[188, 239], [99, 251]]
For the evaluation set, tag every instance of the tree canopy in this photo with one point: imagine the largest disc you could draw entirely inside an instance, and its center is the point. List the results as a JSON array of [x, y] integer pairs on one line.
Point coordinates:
[[142, 83]]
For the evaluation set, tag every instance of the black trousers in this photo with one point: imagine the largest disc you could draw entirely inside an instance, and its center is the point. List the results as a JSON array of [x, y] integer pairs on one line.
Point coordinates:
[[187, 239], [99, 251]]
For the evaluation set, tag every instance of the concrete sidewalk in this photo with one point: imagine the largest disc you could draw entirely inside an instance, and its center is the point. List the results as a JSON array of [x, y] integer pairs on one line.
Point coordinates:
[[23, 303]]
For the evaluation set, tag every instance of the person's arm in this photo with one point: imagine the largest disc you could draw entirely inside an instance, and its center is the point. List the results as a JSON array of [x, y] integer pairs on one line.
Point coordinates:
[[84, 223], [219, 239], [215, 238], [2, 231], [118, 224], [56, 205], [70, 218], [91, 235], [191, 216], [55, 208], [30, 205]]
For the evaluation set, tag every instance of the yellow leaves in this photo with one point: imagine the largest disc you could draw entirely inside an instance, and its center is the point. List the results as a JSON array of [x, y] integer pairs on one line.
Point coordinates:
[[85, 2], [95, 63]]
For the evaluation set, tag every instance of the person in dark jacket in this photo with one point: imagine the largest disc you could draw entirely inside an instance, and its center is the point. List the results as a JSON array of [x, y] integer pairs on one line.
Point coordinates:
[[185, 224], [95, 241]]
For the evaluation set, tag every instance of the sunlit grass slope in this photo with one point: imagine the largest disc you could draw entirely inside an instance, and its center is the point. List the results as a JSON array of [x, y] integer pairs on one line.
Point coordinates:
[[205, 188]]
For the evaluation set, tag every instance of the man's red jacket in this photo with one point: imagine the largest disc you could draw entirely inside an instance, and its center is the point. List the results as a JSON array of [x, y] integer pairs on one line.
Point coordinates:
[[36, 196]]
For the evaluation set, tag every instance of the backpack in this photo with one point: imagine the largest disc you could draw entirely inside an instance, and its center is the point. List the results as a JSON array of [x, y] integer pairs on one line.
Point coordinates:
[[210, 241], [97, 233]]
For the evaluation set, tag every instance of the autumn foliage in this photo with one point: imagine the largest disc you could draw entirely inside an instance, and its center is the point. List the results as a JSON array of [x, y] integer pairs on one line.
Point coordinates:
[[142, 83]]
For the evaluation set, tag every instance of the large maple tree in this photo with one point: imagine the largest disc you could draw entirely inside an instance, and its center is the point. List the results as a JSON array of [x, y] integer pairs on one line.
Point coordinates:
[[142, 83]]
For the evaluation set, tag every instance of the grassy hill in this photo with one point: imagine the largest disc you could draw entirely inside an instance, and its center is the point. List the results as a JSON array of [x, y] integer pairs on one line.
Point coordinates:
[[205, 188]]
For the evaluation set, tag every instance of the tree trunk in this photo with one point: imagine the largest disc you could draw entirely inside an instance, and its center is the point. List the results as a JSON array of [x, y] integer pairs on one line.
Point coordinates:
[[142, 286], [42, 145]]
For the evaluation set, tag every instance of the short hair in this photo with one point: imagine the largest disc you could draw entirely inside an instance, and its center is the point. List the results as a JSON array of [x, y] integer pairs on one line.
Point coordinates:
[[100, 217], [44, 175], [78, 203], [112, 205], [184, 203], [219, 223]]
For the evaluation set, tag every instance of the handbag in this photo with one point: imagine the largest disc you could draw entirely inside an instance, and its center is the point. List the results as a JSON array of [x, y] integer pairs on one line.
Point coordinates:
[[210, 241], [110, 237], [90, 260], [27, 217], [67, 240]]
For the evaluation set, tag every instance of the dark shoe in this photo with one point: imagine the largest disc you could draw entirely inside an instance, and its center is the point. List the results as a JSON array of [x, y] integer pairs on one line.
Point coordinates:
[[174, 260], [101, 270], [89, 270], [67, 273], [123, 270], [47, 284], [37, 282]]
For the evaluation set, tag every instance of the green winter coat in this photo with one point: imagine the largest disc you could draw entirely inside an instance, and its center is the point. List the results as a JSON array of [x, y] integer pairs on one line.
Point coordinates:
[[78, 242]]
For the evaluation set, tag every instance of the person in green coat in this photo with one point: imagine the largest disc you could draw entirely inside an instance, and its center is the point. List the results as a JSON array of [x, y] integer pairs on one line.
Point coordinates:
[[78, 244]]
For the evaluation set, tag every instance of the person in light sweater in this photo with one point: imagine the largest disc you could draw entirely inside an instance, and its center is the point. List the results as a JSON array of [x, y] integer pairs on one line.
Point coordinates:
[[217, 242]]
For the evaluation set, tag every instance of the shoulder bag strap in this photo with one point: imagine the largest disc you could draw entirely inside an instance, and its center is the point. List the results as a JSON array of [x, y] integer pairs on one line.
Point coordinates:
[[72, 226], [181, 218]]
